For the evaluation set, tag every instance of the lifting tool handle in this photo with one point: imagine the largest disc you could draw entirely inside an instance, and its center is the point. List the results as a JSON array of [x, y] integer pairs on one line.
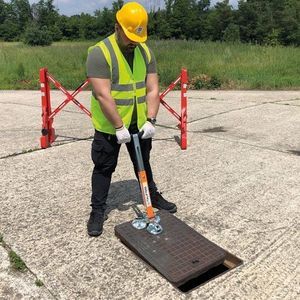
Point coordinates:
[[142, 176]]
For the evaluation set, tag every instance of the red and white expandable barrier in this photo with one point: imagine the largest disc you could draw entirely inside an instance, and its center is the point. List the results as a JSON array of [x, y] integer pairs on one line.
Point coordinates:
[[182, 118], [48, 132]]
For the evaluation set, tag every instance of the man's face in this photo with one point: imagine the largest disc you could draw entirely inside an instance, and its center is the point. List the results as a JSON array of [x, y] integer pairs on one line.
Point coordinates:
[[127, 44]]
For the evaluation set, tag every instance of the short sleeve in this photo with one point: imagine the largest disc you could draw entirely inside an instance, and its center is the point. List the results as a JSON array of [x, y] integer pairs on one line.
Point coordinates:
[[151, 68], [96, 65]]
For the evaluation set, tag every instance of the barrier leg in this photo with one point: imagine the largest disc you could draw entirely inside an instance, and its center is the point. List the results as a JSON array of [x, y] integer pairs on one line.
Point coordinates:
[[183, 119], [48, 132]]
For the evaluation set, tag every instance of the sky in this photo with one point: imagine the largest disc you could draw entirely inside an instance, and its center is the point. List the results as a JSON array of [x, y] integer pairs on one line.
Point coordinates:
[[73, 7]]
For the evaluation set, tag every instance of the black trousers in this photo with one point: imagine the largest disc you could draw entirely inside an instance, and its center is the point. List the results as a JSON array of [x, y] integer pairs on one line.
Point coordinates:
[[105, 152]]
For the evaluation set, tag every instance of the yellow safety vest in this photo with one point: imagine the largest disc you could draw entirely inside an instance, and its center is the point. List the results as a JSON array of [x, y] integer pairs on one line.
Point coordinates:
[[127, 87]]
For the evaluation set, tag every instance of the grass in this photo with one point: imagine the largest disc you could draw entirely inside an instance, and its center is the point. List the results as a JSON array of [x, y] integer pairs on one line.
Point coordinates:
[[210, 64], [39, 283], [238, 66], [16, 261]]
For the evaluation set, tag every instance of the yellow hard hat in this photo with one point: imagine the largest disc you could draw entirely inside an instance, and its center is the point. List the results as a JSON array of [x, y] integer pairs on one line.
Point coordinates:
[[133, 19]]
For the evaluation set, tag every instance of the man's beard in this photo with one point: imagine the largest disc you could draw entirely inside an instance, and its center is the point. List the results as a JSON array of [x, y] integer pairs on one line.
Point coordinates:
[[130, 48]]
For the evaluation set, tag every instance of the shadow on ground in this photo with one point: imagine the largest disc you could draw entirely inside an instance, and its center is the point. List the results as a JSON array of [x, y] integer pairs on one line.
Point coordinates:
[[123, 195]]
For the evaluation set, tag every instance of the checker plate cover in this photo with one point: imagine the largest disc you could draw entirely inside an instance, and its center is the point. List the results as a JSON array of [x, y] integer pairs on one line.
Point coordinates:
[[179, 253]]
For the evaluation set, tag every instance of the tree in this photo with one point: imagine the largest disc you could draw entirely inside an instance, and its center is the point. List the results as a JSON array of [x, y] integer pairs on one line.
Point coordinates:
[[116, 5], [159, 26], [9, 30], [182, 18], [269, 22], [88, 27], [22, 12], [289, 24], [201, 23], [218, 20], [45, 13], [70, 27], [232, 33], [247, 20], [3, 12], [105, 21], [55, 33], [35, 36]]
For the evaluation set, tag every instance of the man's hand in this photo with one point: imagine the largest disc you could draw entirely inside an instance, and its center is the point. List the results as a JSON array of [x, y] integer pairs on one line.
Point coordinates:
[[123, 135], [148, 129]]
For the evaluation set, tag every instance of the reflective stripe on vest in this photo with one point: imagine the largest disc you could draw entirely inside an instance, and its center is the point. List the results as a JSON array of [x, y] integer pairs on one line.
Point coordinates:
[[127, 86]]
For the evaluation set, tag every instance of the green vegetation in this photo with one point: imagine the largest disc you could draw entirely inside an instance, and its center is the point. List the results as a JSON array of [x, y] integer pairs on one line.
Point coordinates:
[[39, 283], [35, 36], [221, 46], [210, 64], [235, 66], [16, 261], [255, 21], [65, 60]]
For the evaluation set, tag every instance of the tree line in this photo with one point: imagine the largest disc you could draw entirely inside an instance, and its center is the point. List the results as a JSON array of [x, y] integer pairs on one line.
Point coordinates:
[[270, 22]]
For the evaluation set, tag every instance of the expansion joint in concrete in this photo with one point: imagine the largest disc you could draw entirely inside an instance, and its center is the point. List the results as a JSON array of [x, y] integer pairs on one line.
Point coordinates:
[[8, 249]]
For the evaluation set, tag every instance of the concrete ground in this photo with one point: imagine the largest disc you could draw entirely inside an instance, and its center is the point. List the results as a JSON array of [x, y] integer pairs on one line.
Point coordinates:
[[237, 184]]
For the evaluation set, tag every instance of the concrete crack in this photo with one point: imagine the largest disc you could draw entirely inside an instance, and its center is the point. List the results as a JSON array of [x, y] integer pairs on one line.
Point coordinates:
[[57, 144], [289, 152], [8, 248], [225, 112]]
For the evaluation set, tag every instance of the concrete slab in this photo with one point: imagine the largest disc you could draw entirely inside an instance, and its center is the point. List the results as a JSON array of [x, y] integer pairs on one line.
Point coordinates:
[[268, 126], [17, 285], [239, 190], [21, 120], [21, 113]]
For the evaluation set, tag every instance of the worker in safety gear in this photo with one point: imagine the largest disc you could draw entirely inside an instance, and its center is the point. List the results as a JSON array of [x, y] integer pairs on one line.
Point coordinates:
[[125, 100]]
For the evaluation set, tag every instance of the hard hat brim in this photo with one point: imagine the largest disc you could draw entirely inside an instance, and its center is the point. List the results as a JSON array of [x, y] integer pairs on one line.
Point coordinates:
[[134, 37]]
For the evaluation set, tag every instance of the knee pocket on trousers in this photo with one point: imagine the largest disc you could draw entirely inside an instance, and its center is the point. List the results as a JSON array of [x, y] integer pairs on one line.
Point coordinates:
[[104, 157]]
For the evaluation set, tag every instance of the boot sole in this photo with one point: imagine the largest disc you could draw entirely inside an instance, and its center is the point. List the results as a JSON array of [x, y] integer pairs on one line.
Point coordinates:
[[94, 233], [97, 233], [172, 211]]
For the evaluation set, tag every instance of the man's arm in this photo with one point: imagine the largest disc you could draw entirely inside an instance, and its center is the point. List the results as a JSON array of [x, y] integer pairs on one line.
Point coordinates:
[[102, 88], [152, 96]]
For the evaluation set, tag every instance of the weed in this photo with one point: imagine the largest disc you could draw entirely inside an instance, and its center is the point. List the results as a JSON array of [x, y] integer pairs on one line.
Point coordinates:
[[204, 81], [39, 282], [215, 83], [16, 261]]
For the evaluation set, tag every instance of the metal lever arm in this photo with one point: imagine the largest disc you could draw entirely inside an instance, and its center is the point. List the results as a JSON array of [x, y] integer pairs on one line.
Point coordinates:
[[143, 177]]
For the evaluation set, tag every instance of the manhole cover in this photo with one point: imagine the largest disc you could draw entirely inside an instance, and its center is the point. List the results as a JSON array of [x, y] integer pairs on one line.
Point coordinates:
[[179, 253]]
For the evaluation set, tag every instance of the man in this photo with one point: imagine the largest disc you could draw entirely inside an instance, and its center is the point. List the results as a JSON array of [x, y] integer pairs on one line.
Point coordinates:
[[125, 100]]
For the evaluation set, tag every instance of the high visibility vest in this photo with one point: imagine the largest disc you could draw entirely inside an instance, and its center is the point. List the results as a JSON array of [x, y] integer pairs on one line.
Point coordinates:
[[127, 87]]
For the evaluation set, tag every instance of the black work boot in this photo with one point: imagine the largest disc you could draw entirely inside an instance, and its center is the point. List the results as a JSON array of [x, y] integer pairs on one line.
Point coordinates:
[[95, 223], [159, 202]]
